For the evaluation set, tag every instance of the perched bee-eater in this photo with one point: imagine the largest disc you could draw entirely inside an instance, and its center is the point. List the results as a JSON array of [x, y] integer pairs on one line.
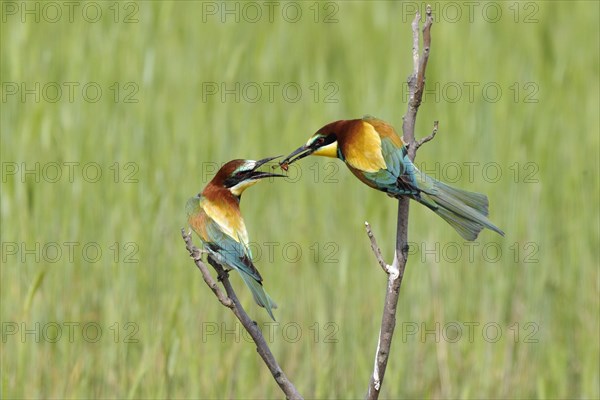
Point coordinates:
[[378, 157], [215, 216]]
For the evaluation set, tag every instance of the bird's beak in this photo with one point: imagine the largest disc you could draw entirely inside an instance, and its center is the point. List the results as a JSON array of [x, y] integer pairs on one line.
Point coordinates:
[[254, 174], [300, 152]]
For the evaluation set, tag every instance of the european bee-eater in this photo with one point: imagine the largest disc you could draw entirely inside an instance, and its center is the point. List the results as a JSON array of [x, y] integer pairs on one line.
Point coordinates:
[[378, 157], [214, 214]]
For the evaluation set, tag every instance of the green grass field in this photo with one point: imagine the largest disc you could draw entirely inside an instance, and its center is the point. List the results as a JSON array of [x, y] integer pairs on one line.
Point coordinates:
[[114, 114]]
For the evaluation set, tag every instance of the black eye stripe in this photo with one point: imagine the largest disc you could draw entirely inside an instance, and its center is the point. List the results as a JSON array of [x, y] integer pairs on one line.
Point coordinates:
[[236, 178], [325, 140]]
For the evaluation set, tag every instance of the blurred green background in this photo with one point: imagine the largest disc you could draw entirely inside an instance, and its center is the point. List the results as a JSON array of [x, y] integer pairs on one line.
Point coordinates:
[[114, 114]]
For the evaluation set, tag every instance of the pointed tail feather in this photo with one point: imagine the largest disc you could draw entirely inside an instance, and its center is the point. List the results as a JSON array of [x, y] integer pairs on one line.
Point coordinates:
[[258, 292], [465, 211]]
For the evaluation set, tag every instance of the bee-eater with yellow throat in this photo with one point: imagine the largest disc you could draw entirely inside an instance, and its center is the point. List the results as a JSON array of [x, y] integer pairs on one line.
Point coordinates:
[[378, 157], [214, 214]]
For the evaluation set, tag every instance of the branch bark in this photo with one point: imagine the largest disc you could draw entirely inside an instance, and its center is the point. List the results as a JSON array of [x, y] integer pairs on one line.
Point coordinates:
[[376, 249], [395, 271], [231, 301]]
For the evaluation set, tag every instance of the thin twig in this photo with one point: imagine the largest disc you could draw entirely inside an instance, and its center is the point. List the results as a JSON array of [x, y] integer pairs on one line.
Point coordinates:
[[231, 301], [425, 56], [416, 84], [430, 136], [376, 249]]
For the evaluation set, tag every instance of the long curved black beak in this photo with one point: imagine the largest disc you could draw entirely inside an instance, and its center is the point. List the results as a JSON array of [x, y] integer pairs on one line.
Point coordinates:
[[300, 152], [254, 174]]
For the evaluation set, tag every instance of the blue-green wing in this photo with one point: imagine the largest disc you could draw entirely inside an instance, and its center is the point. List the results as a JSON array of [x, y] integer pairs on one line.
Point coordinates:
[[233, 253], [399, 177]]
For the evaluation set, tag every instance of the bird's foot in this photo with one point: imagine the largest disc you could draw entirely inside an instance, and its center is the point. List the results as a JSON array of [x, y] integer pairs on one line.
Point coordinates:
[[197, 253], [223, 274]]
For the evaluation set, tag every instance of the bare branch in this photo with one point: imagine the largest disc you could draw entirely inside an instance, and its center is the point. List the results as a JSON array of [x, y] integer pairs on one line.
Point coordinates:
[[231, 301], [376, 249], [430, 136], [425, 56], [415, 48], [416, 83]]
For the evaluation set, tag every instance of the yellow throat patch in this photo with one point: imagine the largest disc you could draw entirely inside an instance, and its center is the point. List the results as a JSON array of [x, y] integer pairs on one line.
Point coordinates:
[[327, 151], [238, 189]]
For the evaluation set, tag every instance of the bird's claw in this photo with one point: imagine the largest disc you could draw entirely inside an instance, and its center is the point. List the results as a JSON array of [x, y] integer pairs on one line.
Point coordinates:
[[196, 254], [223, 274]]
